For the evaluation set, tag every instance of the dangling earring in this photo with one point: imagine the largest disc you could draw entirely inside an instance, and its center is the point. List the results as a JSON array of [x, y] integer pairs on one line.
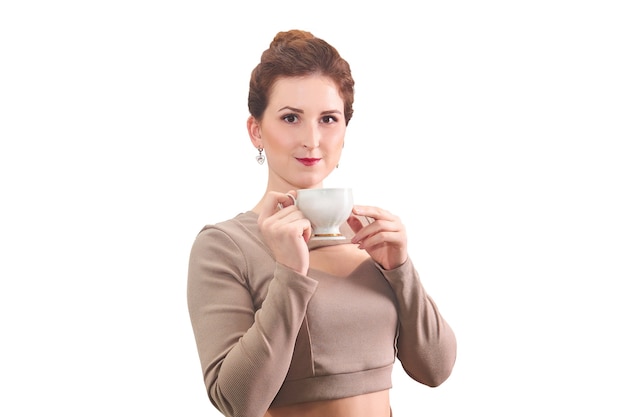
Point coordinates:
[[260, 158]]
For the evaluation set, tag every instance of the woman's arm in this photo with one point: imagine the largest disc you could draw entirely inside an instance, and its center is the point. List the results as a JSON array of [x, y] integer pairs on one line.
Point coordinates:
[[426, 343], [245, 354]]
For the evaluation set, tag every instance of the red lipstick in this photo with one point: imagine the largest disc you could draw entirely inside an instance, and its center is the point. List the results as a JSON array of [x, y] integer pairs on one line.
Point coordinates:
[[308, 161]]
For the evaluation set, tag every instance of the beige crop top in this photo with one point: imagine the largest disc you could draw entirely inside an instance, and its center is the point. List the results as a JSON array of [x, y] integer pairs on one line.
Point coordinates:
[[267, 335]]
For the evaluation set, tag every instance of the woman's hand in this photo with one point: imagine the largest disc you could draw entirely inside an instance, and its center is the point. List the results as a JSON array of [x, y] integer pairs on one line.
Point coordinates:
[[285, 231], [384, 239]]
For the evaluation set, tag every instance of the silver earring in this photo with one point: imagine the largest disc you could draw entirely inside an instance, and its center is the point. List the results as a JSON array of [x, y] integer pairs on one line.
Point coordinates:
[[260, 158]]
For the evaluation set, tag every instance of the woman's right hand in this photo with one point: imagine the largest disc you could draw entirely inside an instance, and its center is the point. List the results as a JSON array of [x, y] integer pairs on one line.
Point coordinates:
[[286, 231]]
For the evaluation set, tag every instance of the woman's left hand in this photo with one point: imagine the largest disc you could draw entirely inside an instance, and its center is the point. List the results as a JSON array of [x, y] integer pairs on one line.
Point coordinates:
[[384, 239]]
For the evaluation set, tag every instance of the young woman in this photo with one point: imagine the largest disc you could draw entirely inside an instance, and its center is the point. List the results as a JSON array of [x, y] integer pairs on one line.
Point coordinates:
[[288, 326]]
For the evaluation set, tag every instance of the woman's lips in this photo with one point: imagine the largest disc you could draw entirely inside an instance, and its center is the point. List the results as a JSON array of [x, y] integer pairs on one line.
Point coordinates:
[[308, 161]]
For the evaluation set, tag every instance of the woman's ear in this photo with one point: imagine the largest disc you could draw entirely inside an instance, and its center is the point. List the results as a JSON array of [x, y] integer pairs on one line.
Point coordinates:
[[254, 131]]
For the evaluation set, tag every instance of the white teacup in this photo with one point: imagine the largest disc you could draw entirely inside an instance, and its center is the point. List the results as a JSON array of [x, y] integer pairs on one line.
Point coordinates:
[[326, 208]]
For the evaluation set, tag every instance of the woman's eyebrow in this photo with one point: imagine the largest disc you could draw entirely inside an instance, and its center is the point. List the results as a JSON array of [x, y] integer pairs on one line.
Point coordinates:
[[296, 110], [293, 109], [332, 112]]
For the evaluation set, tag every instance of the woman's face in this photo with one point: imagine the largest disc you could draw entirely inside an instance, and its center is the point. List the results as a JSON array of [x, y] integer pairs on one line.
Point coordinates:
[[302, 132]]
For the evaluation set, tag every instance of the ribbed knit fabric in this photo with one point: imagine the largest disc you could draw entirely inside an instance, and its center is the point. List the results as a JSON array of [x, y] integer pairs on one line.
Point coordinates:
[[267, 335]]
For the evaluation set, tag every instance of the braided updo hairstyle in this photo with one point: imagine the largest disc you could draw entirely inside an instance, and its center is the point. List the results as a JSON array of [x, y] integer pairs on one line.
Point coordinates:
[[296, 53]]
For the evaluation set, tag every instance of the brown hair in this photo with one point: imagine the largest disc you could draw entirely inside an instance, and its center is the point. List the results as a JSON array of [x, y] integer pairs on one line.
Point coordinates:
[[298, 53]]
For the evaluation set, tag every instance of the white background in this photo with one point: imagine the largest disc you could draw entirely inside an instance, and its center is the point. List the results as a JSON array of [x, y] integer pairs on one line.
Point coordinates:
[[495, 129]]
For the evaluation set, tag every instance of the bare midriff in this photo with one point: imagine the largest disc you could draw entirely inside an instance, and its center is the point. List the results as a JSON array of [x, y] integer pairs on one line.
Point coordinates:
[[375, 404]]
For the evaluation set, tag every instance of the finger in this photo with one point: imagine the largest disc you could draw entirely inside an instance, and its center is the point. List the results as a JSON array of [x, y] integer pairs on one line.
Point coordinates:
[[291, 199], [273, 202], [361, 226], [355, 223], [374, 212], [286, 202], [382, 238], [376, 228], [307, 232], [297, 227]]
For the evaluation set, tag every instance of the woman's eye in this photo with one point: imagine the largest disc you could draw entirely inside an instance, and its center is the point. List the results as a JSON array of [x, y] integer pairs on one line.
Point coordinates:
[[290, 118], [329, 119]]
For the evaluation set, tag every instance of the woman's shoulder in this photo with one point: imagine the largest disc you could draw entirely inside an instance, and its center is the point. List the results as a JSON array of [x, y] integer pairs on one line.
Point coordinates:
[[232, 245], [246, 220], [241, 230]]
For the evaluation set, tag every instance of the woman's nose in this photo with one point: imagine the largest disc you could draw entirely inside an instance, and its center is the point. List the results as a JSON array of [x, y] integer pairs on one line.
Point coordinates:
[[311, 137]]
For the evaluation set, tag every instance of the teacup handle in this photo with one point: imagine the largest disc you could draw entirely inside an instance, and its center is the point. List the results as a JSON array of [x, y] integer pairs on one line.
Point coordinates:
[[280, 205]]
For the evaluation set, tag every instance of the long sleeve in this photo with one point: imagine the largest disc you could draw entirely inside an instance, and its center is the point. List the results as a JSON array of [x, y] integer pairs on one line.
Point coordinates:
[[245, 351], [426, 343]]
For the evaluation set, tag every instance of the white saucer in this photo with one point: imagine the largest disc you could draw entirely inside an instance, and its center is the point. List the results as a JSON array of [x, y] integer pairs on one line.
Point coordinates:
[[340, 237]]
